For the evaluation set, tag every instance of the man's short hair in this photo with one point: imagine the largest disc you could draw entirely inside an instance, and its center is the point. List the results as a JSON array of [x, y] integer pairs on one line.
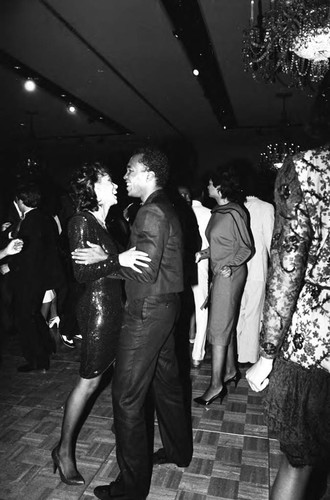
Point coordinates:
[[29, 193], [156, 161]]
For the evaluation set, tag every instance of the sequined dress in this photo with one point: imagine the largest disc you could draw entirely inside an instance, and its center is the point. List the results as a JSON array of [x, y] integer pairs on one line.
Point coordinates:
[[99, 308]]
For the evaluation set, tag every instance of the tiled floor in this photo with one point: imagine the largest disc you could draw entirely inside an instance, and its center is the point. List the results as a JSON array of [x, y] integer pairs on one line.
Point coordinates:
[[233, 455]]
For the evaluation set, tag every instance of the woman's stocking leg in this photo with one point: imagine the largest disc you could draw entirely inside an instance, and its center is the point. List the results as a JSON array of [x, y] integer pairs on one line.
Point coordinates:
[[219, 359], [291, 482], [231, 369], [74, 408], [45, 307]]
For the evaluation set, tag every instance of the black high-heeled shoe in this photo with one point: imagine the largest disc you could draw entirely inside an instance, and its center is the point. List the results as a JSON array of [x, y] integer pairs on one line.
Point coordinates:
[[207, 402], [75, 480], [236, 378], [66, 341]]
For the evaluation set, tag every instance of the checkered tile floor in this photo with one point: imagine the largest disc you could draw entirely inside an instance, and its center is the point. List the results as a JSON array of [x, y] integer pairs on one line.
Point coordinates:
[[234, 458]]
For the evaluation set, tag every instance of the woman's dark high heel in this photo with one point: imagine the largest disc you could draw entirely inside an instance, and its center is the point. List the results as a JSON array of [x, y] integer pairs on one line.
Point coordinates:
[[67, 342], [236, 378], [77, 479], [207, 402]]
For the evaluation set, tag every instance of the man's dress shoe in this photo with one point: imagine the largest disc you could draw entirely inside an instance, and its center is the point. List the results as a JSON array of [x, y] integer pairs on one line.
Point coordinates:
[[105, 493]]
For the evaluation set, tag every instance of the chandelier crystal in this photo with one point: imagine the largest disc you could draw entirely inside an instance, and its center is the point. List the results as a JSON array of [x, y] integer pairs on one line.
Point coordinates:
[[274, 155], [289, 43]]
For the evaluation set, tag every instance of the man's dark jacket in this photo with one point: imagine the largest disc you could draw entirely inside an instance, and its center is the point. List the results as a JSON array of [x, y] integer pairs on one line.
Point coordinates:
[[156, 231]]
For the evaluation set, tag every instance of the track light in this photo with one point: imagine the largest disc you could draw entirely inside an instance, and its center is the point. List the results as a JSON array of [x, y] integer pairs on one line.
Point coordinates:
[[72, 109], [30, 85], [178, 33]]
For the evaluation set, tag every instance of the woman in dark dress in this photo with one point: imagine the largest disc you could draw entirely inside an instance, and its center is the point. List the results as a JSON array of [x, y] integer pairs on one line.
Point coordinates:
[[100, 306], [230, 246]]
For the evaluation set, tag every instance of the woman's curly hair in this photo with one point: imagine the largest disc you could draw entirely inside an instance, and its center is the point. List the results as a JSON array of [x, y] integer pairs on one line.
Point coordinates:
[[82, 185]]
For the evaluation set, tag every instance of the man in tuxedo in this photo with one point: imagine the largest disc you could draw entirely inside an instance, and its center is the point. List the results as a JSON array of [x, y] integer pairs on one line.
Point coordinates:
[[27, 274], [146, 364]]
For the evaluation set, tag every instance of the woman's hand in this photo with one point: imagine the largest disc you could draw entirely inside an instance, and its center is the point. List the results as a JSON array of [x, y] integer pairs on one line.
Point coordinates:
[[95, 253], [202, 254], [226, 271], [5, 226], [4, 268], [198, 257], [257, 375], [132, 258], [91, 255], [14, 246]]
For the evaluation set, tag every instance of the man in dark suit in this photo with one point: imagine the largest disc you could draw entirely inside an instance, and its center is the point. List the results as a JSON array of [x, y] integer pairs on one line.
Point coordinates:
[[146, 364], [27, 274]]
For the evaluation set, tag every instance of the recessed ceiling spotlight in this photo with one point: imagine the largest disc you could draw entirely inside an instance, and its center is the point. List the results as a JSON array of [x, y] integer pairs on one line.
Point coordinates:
[[30, 85], [72, 109], [224, 127], [195, 72]]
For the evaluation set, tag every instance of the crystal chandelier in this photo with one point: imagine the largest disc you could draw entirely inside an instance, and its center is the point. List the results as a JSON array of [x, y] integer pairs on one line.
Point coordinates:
[[290, 43], [274, 155]]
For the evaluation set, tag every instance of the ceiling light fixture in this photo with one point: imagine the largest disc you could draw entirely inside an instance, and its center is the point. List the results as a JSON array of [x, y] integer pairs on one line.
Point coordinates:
[[72, 109], [290, 40], [195, 72], [274, 155], [30, 85]]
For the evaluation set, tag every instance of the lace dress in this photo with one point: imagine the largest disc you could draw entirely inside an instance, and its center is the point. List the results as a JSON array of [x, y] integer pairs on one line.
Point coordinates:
[[296, 327], [99, 308]]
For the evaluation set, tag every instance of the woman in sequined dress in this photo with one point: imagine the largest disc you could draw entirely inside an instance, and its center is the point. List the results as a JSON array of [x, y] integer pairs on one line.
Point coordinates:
[[99, 309]]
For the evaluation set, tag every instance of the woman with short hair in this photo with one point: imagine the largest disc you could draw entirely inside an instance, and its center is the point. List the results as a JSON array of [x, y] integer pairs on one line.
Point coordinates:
[[230, 246]]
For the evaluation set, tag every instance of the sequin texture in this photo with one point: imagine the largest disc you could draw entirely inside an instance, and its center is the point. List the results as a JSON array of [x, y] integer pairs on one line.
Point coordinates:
[[99, 308]]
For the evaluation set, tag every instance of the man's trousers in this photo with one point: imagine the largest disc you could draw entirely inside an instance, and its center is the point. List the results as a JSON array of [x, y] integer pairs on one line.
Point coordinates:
[[146, 364]]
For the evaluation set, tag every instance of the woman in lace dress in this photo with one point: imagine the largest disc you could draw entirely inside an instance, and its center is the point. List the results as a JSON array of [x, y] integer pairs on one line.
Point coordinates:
[[99, 309], [295, 337]]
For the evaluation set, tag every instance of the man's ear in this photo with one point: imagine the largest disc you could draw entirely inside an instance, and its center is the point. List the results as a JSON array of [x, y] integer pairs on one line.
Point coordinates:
[[151, 175]]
